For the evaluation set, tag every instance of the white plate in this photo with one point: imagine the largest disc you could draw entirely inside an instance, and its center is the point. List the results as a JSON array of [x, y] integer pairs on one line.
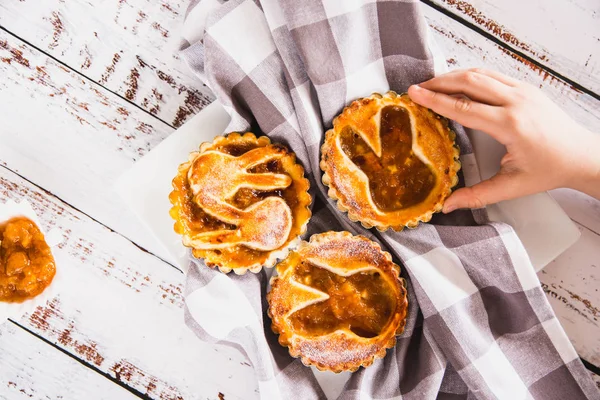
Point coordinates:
[[543, 227]]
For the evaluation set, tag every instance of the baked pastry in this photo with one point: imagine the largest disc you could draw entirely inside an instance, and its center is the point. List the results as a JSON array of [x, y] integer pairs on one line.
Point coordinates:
[[338, 302], [241, 202], [389, 162], [27, 266]]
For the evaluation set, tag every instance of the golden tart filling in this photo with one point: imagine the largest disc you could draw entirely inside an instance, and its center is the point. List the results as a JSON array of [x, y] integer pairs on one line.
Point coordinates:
[[389, 162], [27, 266], [240, 203], [338, 302]]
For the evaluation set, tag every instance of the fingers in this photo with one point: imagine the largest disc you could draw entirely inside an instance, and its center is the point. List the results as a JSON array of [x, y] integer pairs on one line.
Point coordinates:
[[503, 186], [464, 111], [477, 86]]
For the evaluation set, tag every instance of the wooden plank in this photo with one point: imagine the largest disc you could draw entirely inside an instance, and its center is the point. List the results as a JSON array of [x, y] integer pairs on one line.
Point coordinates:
[[71, 136], [119, 309], [571, 283], [562, 35], [596, 378], [31, 368], [118, 44]]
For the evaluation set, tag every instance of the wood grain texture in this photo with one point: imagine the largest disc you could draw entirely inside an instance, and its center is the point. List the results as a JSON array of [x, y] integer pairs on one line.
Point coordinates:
[[120, 310], [571, 283], [562, 35], [596, 378], [31, 369], [117, 44], [71, 136]]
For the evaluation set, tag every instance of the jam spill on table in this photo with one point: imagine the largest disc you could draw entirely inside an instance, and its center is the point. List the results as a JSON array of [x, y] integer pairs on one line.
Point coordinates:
[[26, 263]]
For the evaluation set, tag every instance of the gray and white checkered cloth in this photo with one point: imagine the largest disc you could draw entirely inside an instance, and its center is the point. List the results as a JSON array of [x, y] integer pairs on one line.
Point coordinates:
[[479, 323]]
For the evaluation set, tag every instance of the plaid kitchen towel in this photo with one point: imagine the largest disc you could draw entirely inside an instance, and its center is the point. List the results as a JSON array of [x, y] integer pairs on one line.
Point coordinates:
[[479, 323]]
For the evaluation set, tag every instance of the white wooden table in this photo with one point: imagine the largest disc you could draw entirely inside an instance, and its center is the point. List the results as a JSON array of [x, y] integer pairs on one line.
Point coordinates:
[[88, 87]]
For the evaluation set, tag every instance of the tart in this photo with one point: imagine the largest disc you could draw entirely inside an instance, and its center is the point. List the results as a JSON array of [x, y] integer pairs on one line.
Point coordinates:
[[338, 302], [389, 162], [240, 203]]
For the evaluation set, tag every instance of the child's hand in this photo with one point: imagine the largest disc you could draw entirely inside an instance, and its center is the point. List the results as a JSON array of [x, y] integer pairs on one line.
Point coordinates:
[[546, 149]]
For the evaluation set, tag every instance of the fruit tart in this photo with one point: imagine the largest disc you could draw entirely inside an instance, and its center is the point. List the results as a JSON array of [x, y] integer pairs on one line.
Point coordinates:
[[338, 302], [389, 162], [240, 202]]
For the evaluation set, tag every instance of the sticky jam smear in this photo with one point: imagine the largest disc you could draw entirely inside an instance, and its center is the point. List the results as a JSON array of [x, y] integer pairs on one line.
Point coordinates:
[[398, 179], [27, 266], [362, 303]]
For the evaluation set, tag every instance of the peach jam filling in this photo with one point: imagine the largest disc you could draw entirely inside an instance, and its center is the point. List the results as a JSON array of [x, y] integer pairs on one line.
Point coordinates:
[[197, 220], [362, 303], [398, 179], [26, 263]]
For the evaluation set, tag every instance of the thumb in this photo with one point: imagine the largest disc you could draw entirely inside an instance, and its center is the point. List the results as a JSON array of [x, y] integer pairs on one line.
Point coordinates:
[[502, 186]]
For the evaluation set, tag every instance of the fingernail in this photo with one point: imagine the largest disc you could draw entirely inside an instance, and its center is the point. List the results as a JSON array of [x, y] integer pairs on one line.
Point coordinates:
[[416, 87]]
